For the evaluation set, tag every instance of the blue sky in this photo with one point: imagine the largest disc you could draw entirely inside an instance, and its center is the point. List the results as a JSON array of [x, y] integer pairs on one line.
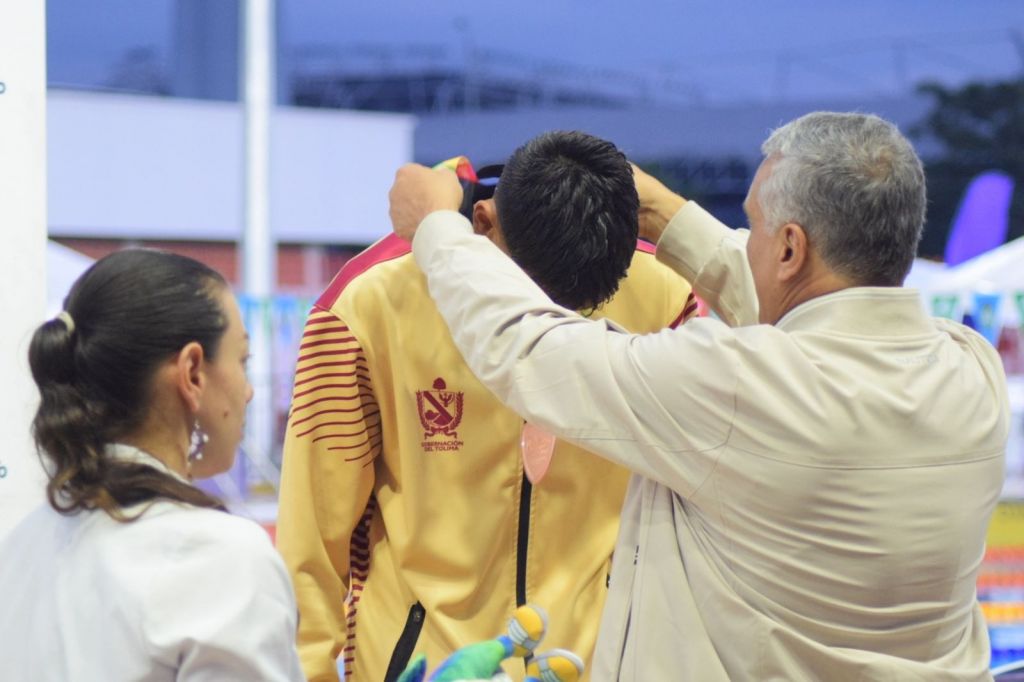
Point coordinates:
[[697, 51]]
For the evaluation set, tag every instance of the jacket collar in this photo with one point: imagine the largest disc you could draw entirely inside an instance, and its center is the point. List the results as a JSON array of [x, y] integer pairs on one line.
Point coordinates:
[[862, 311], [130, 453]]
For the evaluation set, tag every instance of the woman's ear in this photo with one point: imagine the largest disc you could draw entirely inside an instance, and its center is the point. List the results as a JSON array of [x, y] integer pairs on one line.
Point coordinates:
[[190, 374]]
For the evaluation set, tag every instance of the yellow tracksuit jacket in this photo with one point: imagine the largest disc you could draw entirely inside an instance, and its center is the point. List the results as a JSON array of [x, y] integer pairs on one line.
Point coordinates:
[[405, 518]]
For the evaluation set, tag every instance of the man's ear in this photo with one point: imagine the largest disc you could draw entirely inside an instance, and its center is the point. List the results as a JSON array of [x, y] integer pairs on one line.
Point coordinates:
[[190, 374], [486, 223], [793, 252], [485, 218]]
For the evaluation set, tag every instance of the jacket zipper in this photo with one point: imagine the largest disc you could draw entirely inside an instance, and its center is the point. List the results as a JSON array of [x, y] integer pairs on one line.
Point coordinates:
[[406, 643], [523, 540]]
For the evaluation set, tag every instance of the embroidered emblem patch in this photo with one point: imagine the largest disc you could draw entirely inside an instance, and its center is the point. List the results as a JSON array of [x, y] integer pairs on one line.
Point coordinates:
[[440, 413]]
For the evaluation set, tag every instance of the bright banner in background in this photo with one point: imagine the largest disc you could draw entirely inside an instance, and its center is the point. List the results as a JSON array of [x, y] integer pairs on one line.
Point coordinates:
[[274, 323], [998, 315], [983, 219], [987, 321], [1001, 582]]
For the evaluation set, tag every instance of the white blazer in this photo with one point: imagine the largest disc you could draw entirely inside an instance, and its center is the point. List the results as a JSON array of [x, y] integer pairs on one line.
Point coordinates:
[[180, 594]]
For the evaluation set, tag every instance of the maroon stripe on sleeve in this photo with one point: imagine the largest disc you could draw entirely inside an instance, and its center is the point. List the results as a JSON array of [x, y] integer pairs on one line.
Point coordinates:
[[370, 401], [324, 342], [317, 414], [359, 571], [340, 363], [323, 387], [370, 429], [333, 329], [326, 353], [689, 308], [319, 316], [331, 375], [355, 434], [351, 447], [368, 452], [341, 423]]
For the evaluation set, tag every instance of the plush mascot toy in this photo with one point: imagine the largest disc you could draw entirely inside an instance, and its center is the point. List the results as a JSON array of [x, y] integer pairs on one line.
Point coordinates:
[[482, 661]]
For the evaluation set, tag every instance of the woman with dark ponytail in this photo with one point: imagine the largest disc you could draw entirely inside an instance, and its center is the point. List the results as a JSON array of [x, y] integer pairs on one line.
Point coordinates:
[[130, 572]]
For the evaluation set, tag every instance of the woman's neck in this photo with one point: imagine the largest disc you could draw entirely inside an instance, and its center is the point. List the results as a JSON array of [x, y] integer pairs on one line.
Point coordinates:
[[161, 445]]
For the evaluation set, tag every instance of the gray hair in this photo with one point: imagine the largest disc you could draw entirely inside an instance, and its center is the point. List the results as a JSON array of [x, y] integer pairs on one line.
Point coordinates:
[[856, 187]]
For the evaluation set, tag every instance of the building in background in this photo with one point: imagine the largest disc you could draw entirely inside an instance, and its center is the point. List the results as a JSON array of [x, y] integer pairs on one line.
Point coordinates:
[[145, 132]]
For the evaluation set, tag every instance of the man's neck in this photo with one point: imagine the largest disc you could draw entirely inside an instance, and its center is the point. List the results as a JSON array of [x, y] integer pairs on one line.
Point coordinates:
[[820, 283]]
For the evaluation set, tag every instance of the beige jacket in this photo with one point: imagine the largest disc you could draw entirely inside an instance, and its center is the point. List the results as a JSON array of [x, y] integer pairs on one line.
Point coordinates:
[[809, 499]]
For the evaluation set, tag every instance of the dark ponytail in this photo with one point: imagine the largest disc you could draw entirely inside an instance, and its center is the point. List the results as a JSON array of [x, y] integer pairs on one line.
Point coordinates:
[[128, 313]]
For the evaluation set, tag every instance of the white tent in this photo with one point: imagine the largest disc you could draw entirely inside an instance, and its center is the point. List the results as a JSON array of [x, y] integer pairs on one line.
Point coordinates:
[[953, 291], [63, 267], [1000, 269], [924, 273]]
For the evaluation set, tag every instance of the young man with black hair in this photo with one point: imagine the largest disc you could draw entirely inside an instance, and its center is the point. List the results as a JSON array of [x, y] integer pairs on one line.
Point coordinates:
[[406, 518]]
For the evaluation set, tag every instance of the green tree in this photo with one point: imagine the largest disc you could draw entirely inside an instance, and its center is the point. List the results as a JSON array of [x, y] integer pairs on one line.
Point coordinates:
[[979, 127]]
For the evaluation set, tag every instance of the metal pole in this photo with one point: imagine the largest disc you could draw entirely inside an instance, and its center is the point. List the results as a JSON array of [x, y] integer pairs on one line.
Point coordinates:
[[259, 252]]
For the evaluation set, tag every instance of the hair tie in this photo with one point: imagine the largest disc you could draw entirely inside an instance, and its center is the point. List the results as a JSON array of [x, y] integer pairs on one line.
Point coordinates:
[[65, 317]]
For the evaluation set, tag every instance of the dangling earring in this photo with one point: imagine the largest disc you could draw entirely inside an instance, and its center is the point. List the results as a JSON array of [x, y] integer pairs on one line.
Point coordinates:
[[197, 440]]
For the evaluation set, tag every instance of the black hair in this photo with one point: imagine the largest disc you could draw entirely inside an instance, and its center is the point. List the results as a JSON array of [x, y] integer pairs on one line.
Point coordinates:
[[568, 212], [129, 312]]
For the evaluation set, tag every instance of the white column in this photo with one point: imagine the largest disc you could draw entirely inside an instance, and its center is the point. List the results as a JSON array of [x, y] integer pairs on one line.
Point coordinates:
[[23, 256], [259, 252]]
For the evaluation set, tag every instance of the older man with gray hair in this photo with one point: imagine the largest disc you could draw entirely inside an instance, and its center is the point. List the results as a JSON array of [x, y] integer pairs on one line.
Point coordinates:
[[814, 471]]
